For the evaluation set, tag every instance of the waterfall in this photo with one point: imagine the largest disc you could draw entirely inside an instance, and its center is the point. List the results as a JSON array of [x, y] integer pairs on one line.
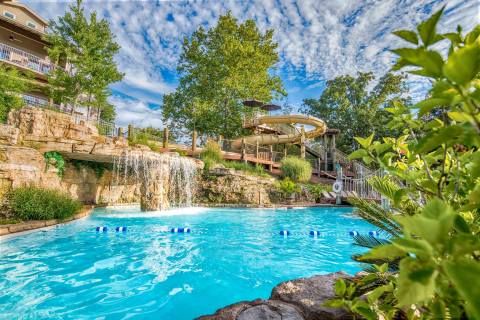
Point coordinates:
[[168, 180]]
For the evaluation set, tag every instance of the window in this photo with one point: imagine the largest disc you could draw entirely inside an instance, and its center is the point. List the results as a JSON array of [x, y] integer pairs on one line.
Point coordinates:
[[31, 25], [9, 15]]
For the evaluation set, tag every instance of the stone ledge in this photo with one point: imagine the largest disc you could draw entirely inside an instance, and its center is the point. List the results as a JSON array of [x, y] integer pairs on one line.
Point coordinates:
[[9, 229]]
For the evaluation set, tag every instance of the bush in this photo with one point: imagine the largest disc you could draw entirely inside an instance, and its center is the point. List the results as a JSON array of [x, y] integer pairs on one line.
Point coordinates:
[[208, 164], [32, 203], [257, 170], [298, 170], [288, 187], [211, 151], [317, 189]]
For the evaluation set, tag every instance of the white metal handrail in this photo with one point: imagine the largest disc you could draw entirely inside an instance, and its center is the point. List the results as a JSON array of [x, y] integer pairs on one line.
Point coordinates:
[[24, 59]]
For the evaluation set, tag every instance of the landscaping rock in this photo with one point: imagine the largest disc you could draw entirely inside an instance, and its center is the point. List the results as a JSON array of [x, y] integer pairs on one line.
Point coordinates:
[[271, 309], [256, 310], [299, 299], [8, 134], [309, 294]]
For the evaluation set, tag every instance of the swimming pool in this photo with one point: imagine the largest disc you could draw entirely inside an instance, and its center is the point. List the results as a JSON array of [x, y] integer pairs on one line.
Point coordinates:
[[73, 272]]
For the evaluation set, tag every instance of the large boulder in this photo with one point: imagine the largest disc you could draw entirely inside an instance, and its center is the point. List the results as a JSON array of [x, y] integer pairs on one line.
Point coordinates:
[[257, 310], [299, 299], [309, 295]]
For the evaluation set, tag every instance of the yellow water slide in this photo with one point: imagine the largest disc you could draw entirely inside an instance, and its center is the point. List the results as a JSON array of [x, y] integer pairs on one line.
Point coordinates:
[[319, 128]]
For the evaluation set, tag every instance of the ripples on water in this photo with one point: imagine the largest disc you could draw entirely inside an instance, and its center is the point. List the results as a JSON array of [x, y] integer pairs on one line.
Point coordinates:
[[73, 272]]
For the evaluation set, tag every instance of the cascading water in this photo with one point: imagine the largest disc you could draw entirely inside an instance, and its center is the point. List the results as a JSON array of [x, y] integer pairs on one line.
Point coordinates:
[[166, 179]]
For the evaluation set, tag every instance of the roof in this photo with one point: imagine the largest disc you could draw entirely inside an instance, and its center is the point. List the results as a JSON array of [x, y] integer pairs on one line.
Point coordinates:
[[14, 3]]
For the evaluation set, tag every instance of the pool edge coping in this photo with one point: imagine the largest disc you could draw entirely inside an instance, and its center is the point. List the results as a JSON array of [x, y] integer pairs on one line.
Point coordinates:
[[37, 225]]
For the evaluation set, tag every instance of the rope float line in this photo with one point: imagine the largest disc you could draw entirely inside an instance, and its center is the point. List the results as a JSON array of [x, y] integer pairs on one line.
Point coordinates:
[[284, 233]]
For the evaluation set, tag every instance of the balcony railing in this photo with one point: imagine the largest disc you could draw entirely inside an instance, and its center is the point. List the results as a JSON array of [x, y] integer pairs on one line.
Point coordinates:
[[24, 59]]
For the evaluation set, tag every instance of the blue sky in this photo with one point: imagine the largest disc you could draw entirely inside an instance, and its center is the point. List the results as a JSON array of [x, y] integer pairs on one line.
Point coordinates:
[[318, 40]]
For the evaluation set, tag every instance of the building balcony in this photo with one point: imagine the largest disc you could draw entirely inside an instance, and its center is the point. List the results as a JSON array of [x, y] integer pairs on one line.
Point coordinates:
[[24, 59]]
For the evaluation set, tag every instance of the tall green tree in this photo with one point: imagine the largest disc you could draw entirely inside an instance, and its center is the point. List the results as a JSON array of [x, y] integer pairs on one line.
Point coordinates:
[[12, 84], [348, 104], [218, 69], [89, 47]]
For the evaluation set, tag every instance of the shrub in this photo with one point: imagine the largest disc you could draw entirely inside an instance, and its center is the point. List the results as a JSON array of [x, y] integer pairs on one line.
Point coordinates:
[[32, 203], [208, 164], [211, 151], [317, 189], [299, 170], [257, 170], [288, 187]]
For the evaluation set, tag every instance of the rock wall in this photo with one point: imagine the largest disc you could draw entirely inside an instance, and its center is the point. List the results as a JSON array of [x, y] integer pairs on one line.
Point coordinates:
[[228, 186], [20, 166]]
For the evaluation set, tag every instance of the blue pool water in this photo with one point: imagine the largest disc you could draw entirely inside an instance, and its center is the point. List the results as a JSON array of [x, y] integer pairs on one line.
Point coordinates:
[[73, 272]]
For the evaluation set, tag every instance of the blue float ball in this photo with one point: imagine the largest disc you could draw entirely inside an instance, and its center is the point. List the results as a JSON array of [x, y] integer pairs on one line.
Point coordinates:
[[353, 233], [373, 233], [284, 233]]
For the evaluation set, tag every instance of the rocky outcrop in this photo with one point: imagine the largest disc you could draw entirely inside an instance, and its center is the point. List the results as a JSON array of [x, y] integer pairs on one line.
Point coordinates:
[[229, 186], [300, 299]]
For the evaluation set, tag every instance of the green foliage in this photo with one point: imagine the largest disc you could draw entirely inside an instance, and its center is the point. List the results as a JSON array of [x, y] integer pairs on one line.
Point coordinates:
[[433, 185], [88, 45], [359, 298], [218, 69], [288, 187], [98, 167], [256, 170], [56, 159], [211, 151], [12, 84], [297, 169], [32, 203], [9, 221], [316, 189], [348, 105], [142, 136]]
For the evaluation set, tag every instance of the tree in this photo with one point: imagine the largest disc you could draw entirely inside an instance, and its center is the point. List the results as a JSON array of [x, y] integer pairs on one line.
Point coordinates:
[[218, 69], [348, 105], [12, 84], [430, 241], [89, 47]]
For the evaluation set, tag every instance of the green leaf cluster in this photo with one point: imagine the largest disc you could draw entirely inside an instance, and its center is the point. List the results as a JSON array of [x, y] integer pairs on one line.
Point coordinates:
[[432, 184]]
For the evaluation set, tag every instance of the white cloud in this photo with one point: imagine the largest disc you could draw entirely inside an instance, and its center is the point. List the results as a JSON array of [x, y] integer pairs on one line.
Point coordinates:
[[318, 40], [132, 111]]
